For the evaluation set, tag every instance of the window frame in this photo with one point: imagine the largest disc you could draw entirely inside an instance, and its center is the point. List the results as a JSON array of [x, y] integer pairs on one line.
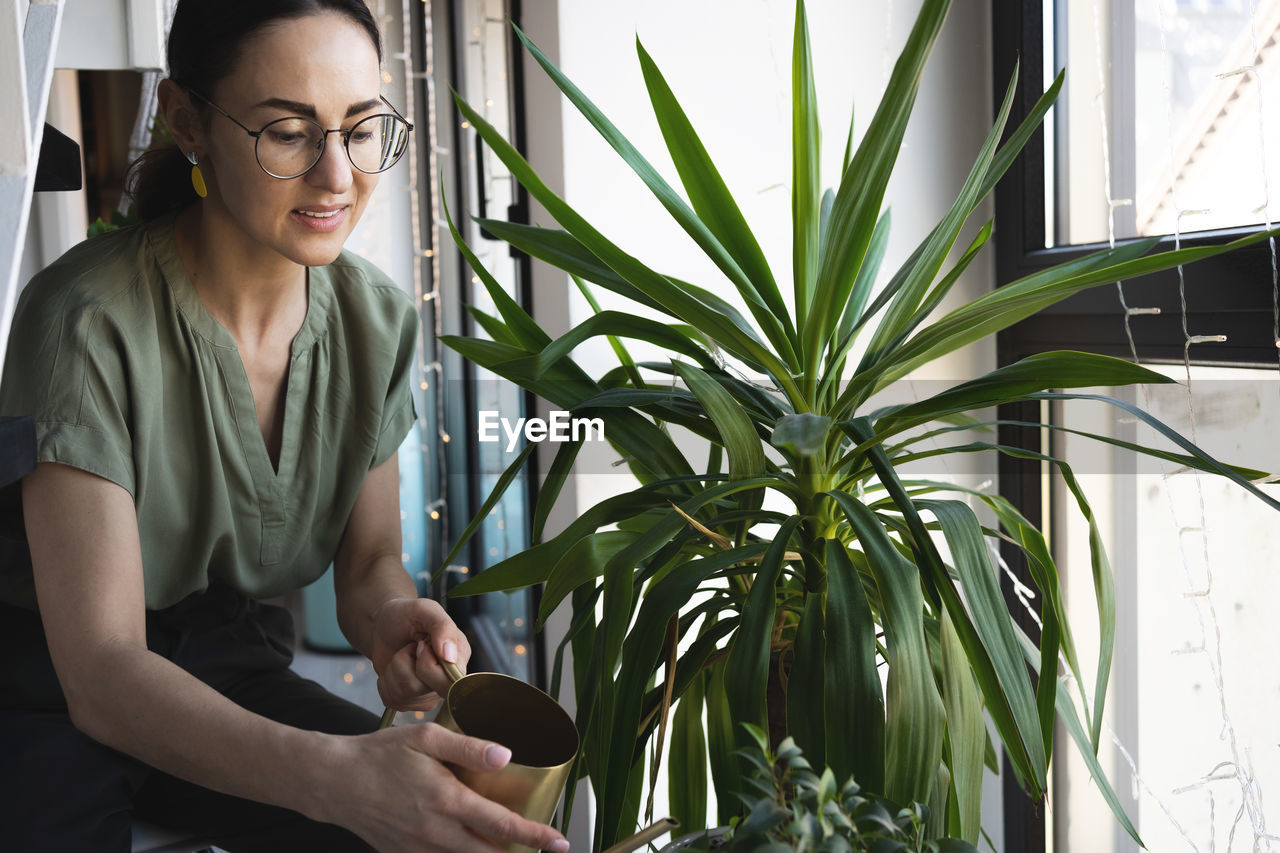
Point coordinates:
[[1240, 306], [458, 483], [1229, 294]]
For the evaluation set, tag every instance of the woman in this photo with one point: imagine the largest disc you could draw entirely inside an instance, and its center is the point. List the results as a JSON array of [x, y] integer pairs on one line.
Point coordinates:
[[219, 396]]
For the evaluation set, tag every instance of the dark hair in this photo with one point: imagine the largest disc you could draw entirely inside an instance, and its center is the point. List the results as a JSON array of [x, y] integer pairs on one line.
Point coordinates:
[[206, 40]]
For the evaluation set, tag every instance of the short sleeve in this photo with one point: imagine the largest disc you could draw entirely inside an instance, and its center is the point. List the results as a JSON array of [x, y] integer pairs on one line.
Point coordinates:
[[398, 413], [65, 366]]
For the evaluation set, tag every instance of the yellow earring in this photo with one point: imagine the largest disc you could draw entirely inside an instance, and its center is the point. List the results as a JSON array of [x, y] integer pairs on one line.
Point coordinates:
[[197, 177]]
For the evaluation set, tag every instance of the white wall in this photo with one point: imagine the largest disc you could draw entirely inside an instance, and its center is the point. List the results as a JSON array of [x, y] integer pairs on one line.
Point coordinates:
[[728, 62], [113, 34], [58, 220]]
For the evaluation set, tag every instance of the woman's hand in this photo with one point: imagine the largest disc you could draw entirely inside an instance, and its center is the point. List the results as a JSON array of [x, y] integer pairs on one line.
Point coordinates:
[[411, 637], [394, 791]]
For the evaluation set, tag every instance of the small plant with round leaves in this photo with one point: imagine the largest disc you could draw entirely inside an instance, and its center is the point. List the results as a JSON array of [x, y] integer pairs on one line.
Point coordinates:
[[794, 809]]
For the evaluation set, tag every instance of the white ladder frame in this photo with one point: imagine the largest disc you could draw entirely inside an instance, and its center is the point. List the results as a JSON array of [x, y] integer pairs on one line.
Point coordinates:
[[28, 41]]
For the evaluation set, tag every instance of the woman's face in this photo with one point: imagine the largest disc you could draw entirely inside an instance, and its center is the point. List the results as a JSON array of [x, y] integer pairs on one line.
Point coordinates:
[[323, 67]]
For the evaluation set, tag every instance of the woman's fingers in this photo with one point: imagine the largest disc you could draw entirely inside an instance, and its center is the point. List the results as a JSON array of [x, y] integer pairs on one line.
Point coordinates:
[[395, 790], [452, 748], [447, 641], [429, 663], [483, 816], [401, 687], [496, 823], [418, 617], [405, 622]]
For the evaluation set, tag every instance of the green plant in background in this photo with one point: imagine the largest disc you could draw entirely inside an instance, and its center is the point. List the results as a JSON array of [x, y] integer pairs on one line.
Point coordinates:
[[796, 810], [118, 220], [692, 597]]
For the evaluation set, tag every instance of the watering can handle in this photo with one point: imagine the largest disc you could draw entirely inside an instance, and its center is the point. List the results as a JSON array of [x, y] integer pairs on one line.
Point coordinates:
[[450, 669]]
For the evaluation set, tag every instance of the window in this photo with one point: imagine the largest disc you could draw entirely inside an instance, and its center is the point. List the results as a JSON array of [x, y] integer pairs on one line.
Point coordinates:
[[1192, 698], [473, 52], [1184, 94], [1117, 161]]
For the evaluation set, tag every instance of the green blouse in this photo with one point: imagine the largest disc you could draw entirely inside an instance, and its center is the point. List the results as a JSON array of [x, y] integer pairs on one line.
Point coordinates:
[[130, 378]]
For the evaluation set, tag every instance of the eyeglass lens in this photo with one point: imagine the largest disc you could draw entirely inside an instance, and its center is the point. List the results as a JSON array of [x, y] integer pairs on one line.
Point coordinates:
[[289, 147]]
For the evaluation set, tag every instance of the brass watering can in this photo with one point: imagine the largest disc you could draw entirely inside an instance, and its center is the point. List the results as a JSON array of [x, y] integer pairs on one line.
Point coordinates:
[[540, 734], [542, 738]]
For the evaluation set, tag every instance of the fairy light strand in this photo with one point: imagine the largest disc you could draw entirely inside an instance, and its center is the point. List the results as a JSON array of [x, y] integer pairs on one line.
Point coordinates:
[[426, 293], [1201, 598], [1101, 100], [1266, 177], [1202, 601], [439, 510]]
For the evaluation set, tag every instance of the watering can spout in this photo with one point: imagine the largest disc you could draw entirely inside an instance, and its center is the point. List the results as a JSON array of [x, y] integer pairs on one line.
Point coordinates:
[[644, 836]]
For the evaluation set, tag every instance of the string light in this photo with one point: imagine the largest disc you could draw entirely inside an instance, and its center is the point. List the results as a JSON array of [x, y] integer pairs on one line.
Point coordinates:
[[426, 295], [1238, 769]]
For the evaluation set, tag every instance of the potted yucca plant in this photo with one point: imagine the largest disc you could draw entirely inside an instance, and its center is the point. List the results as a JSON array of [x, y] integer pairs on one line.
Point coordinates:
[[717, 607]]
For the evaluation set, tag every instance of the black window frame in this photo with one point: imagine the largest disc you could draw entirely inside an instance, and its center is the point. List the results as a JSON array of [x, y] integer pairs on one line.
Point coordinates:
[[459, 483], [1239, 306], [1230, 295]]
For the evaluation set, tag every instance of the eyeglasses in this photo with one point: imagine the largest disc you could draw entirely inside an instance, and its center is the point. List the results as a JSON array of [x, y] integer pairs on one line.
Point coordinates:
[[288, 147]]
